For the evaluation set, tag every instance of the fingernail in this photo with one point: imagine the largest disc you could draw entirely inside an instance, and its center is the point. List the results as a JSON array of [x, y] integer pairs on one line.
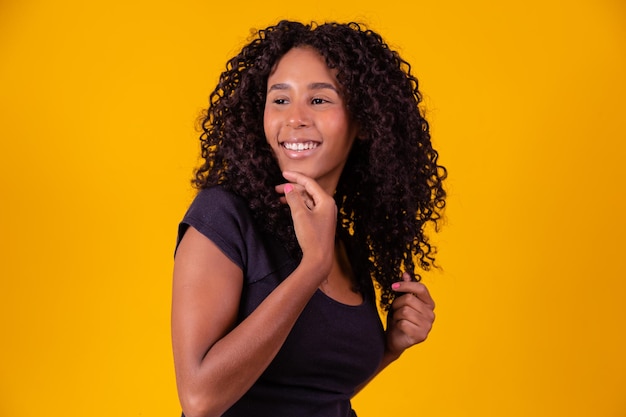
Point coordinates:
[[288, 188], [395, 285]]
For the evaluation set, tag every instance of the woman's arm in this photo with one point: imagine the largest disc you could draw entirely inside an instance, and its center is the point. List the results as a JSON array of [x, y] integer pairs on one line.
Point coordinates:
[[216, 362]]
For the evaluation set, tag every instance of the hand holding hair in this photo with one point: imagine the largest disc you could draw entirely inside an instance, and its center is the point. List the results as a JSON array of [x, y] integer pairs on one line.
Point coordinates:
[[411, 315]]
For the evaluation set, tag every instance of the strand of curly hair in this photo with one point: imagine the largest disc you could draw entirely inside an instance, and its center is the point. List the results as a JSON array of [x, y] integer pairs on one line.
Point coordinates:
[[391, 186]]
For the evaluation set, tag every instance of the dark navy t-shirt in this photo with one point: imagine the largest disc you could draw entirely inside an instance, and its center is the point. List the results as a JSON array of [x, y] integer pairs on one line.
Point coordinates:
[[332, 348]]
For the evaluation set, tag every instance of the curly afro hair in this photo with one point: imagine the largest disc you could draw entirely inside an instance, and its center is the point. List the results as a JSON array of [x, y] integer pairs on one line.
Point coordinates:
[[391, 186]]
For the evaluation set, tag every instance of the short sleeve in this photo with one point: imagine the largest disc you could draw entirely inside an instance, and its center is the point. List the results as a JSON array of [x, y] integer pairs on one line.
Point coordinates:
[[223, 218]]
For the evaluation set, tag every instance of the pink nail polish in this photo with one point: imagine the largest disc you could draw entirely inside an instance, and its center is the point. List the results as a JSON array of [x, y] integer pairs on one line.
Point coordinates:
[[288, 188], [395, 285]]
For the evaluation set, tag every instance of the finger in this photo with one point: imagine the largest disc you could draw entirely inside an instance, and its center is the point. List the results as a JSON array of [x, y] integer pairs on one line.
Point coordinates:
[[308, 201], [416, 288], [415, 323], [423, 294], [280, 189], [298, 199], [414, 331], [310, 185], [409, 308], [294, 199]]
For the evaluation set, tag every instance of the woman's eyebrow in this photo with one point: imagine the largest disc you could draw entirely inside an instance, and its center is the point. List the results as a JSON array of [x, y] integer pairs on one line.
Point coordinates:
[[322, 86], [312, 86], [280, 86]]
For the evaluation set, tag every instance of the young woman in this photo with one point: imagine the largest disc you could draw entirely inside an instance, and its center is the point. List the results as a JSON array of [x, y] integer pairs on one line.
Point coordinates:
[[318, 180]]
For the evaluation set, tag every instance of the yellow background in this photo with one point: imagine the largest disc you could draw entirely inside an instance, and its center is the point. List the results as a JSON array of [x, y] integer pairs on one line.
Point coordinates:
[[527, 101]]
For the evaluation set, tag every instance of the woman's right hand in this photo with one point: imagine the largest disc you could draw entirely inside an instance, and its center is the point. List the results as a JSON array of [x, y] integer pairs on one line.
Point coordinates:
[[314, 215]]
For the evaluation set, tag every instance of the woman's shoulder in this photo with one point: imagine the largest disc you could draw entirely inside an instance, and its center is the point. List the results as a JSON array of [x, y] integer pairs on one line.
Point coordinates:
[[216, 196], [223, 217], [217, 208], [217, 204]]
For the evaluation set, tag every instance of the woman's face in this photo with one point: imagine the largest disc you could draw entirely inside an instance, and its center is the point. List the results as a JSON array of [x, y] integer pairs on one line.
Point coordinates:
[[306, 122]]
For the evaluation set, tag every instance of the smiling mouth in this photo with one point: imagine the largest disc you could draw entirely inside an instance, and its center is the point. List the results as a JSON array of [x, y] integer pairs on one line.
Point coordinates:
[[302, 146]]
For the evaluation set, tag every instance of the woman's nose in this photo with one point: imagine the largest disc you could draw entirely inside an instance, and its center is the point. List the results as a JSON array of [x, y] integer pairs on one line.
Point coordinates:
[[298, 116]]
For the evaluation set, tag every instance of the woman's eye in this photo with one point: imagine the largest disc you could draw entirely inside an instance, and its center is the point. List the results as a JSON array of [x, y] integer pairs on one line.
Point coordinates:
[[318, 101], [280, 101]]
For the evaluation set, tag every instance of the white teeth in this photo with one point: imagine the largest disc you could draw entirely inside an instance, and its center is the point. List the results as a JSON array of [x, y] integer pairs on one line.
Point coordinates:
[[300, 146]]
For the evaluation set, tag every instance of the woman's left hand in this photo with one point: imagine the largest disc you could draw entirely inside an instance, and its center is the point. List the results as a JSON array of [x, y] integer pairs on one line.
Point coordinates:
[[411, 315]]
